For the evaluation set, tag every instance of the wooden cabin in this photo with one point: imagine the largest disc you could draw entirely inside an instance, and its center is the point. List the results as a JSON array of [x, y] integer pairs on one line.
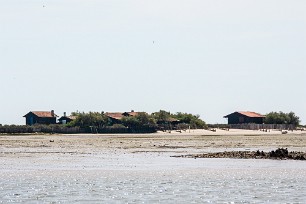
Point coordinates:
[[40, 117], [242, 117], [115, 117]]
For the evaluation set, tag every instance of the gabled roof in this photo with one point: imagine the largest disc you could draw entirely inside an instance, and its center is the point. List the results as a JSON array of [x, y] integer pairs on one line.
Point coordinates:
[[120, 115], [42, 114], [251, 114], [115, 115], [248, 114]]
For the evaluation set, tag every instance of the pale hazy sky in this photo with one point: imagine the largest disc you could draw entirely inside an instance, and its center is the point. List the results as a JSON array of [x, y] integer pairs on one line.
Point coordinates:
[[207, 57]]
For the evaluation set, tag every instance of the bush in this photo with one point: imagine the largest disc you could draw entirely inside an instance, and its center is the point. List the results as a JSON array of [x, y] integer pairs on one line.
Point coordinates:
[[282, 118], [39, 128], [85, 120], [193, 121]]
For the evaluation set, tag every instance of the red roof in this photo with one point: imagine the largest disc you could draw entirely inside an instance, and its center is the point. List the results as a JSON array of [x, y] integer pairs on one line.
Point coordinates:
[[251, 114], [248, 114], [115, 115], [43, 114]]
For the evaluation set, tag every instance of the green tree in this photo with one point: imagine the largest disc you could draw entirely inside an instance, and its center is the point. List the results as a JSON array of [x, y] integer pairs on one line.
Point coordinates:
[[146, 120], [95, 119], [293, 119], [193, 121], [162, 116], [130, 121], [282, 118], [141, 120]]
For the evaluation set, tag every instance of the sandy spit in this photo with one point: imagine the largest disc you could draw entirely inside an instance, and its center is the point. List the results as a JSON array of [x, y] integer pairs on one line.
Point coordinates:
[[189, 142]]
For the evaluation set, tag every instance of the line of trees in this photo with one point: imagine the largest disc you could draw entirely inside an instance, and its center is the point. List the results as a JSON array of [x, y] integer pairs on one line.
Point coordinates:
[[99, 122], [161, 120], [282, 118]]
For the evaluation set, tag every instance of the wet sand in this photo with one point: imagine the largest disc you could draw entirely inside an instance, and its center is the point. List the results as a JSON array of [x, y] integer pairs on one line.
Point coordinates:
[[174, 143]]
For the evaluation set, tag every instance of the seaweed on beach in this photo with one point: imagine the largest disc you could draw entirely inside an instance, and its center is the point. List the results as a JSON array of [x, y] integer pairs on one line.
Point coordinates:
[[279, 154]]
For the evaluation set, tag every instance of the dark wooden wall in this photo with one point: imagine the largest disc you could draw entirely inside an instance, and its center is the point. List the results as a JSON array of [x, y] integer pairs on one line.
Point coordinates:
[[237, 118], [32, 119]]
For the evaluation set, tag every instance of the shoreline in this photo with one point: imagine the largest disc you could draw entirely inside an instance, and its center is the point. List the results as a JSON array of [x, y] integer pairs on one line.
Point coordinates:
[[195, 142], [140, 151]]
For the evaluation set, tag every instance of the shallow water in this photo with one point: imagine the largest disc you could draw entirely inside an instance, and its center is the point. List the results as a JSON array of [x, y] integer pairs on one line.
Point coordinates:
[[150, 178], [162, 186]]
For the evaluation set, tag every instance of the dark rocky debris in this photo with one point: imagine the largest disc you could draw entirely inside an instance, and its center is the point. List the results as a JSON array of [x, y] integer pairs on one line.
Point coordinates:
[[280, 154]]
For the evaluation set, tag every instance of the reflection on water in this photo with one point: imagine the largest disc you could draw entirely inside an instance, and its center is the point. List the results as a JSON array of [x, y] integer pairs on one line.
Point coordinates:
[[211, 182]]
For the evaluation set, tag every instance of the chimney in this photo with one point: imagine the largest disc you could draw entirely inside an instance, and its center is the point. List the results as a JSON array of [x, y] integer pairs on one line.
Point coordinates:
[[52, 113], [64, 114]]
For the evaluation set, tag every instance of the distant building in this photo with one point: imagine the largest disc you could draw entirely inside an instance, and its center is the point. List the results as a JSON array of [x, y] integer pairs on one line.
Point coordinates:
[[115, 117], [66, 119], [40, 117], [242, 117]]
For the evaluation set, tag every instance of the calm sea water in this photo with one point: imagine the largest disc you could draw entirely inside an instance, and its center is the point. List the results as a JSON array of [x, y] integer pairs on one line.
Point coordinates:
[[149, 178]]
